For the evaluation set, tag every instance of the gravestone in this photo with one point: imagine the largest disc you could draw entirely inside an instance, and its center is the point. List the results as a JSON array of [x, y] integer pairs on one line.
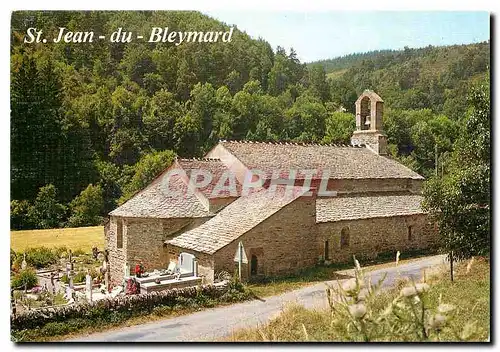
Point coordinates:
[[69, 293], [70, 277], [186, 262], [88, 287], [126, 270], [24, 264], [171, 267]]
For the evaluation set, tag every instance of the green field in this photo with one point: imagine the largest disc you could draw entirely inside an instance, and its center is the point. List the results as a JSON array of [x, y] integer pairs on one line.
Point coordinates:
[[74, 238]]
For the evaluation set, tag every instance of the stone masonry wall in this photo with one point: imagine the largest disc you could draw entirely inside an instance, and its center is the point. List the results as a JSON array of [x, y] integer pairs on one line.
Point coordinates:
[[283, 243], [117, 256], [368, 237], [143, 241]]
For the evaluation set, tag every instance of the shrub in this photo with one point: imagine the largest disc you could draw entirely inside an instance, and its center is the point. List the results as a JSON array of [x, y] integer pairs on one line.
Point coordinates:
[[13, 257], [26, 277], [79, 277], [40, 257], [61, 251], [78, 252]]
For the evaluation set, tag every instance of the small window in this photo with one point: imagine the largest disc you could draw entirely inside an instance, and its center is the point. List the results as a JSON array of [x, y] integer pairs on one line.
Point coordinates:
[[344, 238], [327, 255], [119, 233], [410, 233]]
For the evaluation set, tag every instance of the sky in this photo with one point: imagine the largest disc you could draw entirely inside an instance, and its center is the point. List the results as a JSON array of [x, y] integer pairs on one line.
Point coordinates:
[[324, 35]]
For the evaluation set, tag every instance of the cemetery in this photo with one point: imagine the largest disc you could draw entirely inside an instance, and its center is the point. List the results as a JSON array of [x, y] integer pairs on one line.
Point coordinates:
[[84, 278]]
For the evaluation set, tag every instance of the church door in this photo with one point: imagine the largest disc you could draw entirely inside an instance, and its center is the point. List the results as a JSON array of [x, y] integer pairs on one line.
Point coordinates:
[[253, 265]]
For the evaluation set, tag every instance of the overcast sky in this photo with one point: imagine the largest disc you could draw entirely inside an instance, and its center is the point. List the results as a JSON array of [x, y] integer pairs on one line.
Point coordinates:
[[323, 35]]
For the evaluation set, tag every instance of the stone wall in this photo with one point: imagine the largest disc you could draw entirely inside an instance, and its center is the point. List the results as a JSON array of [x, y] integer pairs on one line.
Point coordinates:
[[368, 237], [143, 241], [283, 243], [117, 256]]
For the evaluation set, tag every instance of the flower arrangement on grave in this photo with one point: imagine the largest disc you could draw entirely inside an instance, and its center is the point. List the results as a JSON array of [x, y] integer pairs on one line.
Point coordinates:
[[139, 270]]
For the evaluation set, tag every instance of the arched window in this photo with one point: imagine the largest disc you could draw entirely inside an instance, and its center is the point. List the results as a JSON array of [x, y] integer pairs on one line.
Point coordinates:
[[365, 113], [119, 233], [344, 238], [253, 265]]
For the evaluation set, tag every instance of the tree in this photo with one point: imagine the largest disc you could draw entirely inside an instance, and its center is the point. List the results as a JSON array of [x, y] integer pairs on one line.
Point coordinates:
[[460, 201], [146, 169], [46, 212], [19, 214], [339, 127], [86, 208], [317, 82]]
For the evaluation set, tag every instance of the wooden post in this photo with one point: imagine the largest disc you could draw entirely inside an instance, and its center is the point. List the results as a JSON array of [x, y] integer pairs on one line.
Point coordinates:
[[240, 257], [451, 265]]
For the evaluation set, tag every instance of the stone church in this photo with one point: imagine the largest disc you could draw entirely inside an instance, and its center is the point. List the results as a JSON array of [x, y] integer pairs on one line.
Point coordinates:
[[316, 203]]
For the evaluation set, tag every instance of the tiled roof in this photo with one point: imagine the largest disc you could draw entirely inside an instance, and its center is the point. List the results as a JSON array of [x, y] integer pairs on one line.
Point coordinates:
[[236, 219], [342, 162], [365, 207], [217, 170], [157, 202]]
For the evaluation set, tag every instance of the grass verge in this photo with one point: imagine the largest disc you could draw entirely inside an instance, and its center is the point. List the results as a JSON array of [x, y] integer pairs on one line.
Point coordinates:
[[470, 293], [271, 286]]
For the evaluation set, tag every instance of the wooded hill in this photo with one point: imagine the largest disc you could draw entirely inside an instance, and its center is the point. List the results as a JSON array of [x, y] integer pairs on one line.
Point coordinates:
[[91, 123]]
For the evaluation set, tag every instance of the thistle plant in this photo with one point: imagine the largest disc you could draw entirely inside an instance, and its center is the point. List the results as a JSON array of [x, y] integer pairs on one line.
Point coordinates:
[[358, 314]]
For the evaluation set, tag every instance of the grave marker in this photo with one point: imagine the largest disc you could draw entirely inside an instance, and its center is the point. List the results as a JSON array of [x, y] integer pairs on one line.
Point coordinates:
[[88, 287]]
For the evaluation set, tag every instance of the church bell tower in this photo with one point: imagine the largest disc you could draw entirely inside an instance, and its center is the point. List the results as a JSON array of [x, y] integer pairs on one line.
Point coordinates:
[[369, 129]]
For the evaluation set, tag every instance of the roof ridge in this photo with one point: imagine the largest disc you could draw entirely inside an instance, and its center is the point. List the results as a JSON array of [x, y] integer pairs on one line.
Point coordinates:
[[199, 159], [285, 142]]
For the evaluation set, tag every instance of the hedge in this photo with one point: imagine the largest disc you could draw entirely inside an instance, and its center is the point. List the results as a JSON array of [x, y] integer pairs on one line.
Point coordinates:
[[128, 305]]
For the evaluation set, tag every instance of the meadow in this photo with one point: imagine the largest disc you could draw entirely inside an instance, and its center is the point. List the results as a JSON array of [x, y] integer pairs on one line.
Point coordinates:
[[83, 238]]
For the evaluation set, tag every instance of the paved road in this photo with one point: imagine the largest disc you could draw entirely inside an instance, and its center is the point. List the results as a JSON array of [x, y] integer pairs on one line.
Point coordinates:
[[211, 324]]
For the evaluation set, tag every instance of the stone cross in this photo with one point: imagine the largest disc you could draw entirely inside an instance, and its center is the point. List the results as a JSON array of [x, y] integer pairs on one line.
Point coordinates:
[[71, 259], [105, 266], [70, 277]]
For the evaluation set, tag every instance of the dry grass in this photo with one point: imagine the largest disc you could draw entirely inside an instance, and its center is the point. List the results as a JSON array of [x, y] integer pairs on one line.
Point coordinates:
[[470, 292], [75, 238], [278, 285]]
